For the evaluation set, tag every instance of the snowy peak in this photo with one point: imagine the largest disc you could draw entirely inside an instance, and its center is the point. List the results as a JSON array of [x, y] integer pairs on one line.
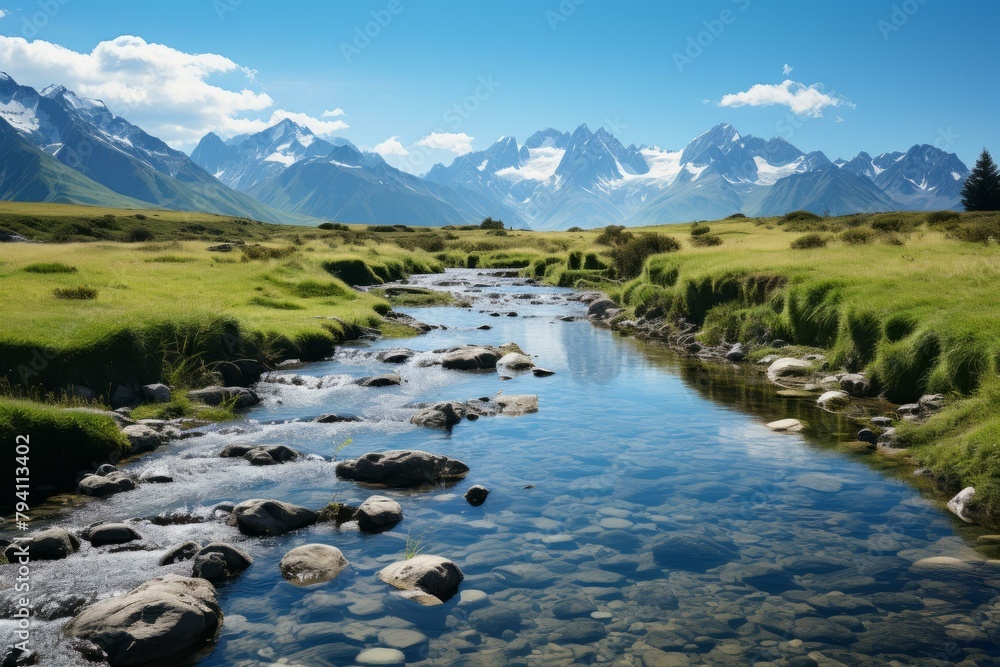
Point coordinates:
[[548, 138]]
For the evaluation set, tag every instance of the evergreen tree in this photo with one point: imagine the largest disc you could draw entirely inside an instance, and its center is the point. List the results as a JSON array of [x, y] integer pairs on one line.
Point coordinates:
[[982, 189]]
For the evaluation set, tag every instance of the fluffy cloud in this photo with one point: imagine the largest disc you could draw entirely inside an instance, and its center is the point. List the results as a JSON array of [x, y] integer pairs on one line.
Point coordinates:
[[163, 90], [334, 113], [459, 143], [803, 100], [4, 12], [391, 146]]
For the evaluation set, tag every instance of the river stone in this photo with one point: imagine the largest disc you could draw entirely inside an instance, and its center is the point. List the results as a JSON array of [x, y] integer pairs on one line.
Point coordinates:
[[164, 620], [818, 481], [389, 380], [881, 422], [736, 353], [259, 518], [786, 426], [812, 629], [144, 438], [602, 308], [312, 564], [959, 505], [476, 495], [433, 575], [336, 419], [157, 393], [788, 367], [108, 485], [580, 631], [402, 468], [495, 620], [516, 405], [833, 400], [395, 356], [242, 397], [381, 656], [841, 603], [49, 544], [471, 358], [106, 469], [540, 372], [910, 409], [867, 435], [155, 477], [523, 575], [217, 560], [180, 552], [400, 638], [854, 384], [442, 415], [516, 361], [695, 552], [378, 514], [931, 402], [110, 533]]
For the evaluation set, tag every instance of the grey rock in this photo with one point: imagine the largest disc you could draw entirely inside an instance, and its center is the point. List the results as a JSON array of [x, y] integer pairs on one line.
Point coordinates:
[[243, 397], [931, 402], [259, 455], [693, 551], [258, 518], [312, 564], [402, 468], [834, 400], [441, 415], [124, 397], [887, 438], [106, 469], [395, 356], [144, 438], [110, 533], [540, 372], [961, 504], [867, 435], [515, 361], [882, 422], [155, 477], [908, 409], [736, 353], [157, 393], [433, 575], [336, 419], [180, 552], [495, 620], [471, 358], [49, 544], [179, 616], [580, 631], [218, 560], [813, 629], [476, 495], [855, 384], [81, 392], [378, 514], [602, 308], [389, 380], [108, 485], [786, 368]]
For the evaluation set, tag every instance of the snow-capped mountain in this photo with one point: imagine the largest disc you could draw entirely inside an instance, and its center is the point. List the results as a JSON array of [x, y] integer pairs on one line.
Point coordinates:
[[288, 167], [558, 179], [85, 136]]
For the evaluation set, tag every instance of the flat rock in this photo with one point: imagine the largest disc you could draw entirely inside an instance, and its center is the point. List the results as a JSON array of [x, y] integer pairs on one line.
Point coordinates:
[[402, 468], [695, 552], [103, 486], [834, 400], [471, 358], [515, 361], [786, 426], [432, 575], [388, 380], [381, 656], [788, 367], [443, 415]]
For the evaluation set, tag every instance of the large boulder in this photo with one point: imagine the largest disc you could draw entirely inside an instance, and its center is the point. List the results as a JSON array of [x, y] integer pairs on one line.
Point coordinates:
[[602, 308], [49, 544], [516, 361], [110, 533], [144, 438], [396, 355], [218, 560], [157, 393], [312, 564], [961, 504], [834, 400], [855, 384], [106, 485], [242, 397], [471, 359], [433, 575], [161, 622], [259, 518], [440, 415], [402, 468], [787, 368], [259, 455], [180, 552], [378, 514]]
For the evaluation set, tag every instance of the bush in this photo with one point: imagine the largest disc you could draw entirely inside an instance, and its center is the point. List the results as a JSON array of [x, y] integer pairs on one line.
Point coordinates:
[[614, 235], [592, 262], [808, 241], [575, 229], [706, 240], [937, 217], [698, 230], [81, 293], [736, 216], [352, 271], [50, 267], [490, 223], [857, 236], [628, 258], [575, 260], [800, 216], [333, 226], [138, 235]]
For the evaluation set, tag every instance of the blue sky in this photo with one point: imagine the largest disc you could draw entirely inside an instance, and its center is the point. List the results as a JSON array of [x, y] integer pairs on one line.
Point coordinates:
[[866, 75]]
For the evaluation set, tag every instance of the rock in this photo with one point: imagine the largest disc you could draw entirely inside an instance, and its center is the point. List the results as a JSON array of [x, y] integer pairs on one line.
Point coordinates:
[[82, 393], [887, 438], [476, 495], [106, 469], [110, 533], [433, 575], [881, 422], [157, 393], [259, 518], [855, 384], [484, 327], [494, 621], [516, 362], [602, 308], [960, 504], [155, 477], [108, 485], [834, 400], [401, 639], [388, 380], [241, 372], [312, 564], [180, 552], [243, 397], [736, 353], [336, 419], [144, 438], [471, 358], [378, 514], [163, 620], [788, 368], [402, 468], [381, 656], [540, 372], [580, 631], [217, 561], [812, 629], [908, 409], [259, 455], [395, 356], [18, 656], [867, 435], [515, 405], [777, 344], [49, 544], [442, 415], [931, 402], [695, 552], [124, 397], [786, 426]]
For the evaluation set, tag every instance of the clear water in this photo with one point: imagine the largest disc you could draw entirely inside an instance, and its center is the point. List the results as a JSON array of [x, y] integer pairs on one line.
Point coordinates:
[[630, 446]]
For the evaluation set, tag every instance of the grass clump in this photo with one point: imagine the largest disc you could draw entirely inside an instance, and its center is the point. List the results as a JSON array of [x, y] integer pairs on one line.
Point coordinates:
[[81, 293], [706, 241], [49, 267], [810, 241], [628, 258]]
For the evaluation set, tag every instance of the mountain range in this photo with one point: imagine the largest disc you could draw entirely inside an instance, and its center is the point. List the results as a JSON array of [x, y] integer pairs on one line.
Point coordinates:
[[59, 147]]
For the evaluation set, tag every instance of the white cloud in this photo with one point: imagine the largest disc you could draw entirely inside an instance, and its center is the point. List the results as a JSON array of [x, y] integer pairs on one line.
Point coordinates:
[[165, 91], [334, 113], [803, 100], [391, 146], [4, 13], [459, 143], [787, 69]]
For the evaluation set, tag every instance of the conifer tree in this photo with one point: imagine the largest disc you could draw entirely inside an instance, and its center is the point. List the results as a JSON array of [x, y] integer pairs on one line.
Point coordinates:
[[982, 189]]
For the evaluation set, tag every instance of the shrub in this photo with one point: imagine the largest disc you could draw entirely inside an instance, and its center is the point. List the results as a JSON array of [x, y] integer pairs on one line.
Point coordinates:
[[81, 293], [736, 216], [261, 253], [706, 240], [808, 241], [614, 235], [140, 216], [575, 260], [138, 235], [575, 229], [50, 267], [698, 230], [857, 236], [937, 217], [490, 223], [628, 258], [352, 271], [800, 216], [592, 262], [899, 326]]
